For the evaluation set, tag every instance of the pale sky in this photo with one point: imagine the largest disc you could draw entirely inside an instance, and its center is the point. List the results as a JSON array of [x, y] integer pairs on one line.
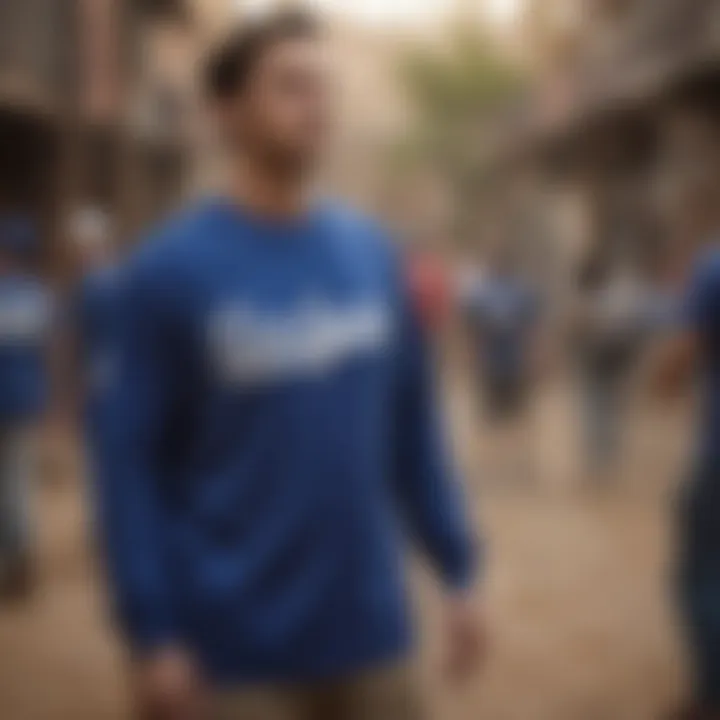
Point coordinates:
[[385, 12]]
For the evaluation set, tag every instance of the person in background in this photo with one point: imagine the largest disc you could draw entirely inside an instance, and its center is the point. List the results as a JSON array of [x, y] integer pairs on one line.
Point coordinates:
[[25, 327], [430, 287], [694, 349], [95, 311], [610, 321], [502, 310], [271, 432]]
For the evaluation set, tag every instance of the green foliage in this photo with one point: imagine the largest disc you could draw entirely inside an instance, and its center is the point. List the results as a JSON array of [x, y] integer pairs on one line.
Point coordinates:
[[454, 92], [462, 83]]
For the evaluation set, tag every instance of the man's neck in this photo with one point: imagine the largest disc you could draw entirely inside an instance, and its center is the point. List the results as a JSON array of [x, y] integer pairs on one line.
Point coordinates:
[[270, 194]]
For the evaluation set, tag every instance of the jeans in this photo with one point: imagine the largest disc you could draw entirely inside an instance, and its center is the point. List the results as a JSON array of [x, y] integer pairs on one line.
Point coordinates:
[[391, 693], [16, 474], [602, 418], [699, 578]]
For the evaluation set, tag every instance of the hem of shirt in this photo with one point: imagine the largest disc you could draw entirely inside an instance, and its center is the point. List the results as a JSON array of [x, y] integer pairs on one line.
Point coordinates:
[[229, 675]]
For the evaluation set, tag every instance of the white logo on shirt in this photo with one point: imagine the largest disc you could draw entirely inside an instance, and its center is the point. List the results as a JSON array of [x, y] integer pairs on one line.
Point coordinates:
[[254, 346]]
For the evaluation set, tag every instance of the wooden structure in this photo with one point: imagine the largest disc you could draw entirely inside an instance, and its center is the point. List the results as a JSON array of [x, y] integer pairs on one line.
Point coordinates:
[[599, 120], [80, 123]]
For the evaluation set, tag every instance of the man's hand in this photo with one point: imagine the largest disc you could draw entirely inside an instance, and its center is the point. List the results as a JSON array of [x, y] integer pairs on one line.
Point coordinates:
[[465, 637], [169, 687]]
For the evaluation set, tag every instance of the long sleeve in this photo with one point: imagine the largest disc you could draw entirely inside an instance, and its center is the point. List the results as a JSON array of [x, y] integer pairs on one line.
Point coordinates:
[[132, 507], [428, 490], [702, 295]]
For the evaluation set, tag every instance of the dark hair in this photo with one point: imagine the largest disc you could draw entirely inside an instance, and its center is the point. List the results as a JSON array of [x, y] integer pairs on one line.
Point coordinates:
[[230, 66]]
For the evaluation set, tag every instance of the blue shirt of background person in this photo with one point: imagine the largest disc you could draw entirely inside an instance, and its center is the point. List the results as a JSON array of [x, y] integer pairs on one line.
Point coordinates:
[[25, 326], [702, 314], [503, 312], [272, 413]]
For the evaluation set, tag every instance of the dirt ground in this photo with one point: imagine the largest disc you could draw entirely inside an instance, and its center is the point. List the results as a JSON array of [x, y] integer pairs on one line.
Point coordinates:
[[576, 586]]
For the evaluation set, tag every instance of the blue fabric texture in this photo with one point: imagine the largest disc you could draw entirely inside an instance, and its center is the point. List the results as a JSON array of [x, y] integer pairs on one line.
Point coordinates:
[[26, 318], [270, 434]]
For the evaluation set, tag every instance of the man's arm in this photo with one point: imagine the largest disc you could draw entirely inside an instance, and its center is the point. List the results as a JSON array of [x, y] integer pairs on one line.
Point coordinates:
[[131, 508], [428, 490], [430, 496]]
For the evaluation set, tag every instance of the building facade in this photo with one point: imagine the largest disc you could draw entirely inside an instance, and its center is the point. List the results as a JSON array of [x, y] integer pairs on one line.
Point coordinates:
[[595, 127], [87, 117]]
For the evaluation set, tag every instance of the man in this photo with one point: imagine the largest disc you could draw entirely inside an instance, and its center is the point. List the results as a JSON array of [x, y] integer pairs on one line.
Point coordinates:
[[270, 421], [691, 138], [24, 341]]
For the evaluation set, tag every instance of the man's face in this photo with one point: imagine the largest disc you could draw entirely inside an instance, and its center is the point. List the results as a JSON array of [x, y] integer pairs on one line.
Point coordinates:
[[284, 116]]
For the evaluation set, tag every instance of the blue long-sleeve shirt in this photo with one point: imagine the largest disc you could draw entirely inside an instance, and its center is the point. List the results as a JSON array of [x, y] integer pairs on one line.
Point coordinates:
[[271, 423], [701, 313]]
